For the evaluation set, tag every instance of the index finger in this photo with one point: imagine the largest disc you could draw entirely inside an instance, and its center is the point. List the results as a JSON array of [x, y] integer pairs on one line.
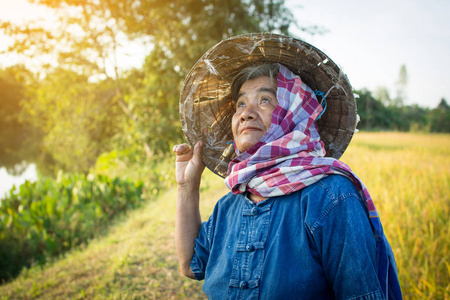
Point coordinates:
[[181, 149]]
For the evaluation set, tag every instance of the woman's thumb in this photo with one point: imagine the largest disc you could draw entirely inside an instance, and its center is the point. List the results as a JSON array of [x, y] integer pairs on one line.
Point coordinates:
[[198, 152]]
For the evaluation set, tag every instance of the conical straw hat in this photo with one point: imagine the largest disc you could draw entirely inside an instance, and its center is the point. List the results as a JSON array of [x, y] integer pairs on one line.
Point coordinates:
[[206, 107]]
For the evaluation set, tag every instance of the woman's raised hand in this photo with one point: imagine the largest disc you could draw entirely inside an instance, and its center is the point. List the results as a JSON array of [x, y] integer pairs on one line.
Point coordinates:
[[188, 165], [188, 170]]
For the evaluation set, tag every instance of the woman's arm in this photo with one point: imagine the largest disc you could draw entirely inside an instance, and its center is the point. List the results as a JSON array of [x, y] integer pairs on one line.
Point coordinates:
[[340, 232], [347, 247], [188, 171]]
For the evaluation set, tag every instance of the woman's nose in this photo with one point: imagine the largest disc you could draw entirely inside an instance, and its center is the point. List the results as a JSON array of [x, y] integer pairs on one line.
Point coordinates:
[[249, 113]]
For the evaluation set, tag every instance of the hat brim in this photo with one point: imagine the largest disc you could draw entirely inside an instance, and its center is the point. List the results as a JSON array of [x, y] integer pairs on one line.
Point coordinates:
[[206, 107]]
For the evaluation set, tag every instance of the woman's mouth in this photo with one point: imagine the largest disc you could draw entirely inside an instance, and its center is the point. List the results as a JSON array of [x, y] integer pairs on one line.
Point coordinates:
[[250, 128]]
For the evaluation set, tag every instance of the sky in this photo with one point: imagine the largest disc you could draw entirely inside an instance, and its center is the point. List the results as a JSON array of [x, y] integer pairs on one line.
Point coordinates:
[[369, 40]]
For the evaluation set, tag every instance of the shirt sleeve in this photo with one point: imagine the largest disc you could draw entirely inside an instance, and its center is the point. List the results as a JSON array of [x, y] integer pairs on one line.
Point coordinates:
[[347, 247], [201, 250]]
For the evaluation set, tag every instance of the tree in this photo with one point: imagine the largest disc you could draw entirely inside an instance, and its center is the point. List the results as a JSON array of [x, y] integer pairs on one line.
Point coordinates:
[[372, 112], [75, 116], [401, 85], [185, 29], [382, 95], [443, 105], [85, 74], [409, 118], [18, 140], [86, 41], [440, 117]]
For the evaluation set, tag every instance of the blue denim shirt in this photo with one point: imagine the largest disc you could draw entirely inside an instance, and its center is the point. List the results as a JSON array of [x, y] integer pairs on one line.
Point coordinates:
[[316, 243]]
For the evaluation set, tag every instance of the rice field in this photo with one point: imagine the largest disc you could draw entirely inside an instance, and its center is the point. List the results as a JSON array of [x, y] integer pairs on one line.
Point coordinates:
[[408, 176]]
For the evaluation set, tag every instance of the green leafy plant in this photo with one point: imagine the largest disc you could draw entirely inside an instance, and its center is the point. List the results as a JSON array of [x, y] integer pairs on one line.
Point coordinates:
[[44, 219]]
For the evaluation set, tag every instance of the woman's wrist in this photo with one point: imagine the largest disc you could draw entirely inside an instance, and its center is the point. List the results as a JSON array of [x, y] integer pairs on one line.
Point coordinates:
[[189, 185], [188, 191]]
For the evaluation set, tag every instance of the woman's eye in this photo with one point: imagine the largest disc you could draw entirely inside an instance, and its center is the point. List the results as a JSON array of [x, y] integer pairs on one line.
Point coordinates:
[[240, 104], [265, 100]]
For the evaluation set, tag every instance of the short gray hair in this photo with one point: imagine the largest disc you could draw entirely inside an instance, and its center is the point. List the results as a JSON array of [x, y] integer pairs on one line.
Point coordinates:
[[253, 72]]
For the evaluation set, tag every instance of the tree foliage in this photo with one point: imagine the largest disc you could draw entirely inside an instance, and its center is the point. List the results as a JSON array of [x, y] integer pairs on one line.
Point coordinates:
[[440, 117], [75, 116], [18, 139], [375, 115], [85, 104], [401, 85]]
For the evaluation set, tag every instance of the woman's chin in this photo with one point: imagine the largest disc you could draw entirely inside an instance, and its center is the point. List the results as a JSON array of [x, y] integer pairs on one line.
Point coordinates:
[[247, 144]]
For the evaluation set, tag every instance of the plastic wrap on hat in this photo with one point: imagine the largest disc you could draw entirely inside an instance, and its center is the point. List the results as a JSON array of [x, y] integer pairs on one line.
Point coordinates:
[[206, 107]]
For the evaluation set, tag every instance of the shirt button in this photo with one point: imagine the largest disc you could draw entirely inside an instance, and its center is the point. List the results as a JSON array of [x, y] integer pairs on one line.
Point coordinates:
[[249, 247], [254, 211], [243, 284]]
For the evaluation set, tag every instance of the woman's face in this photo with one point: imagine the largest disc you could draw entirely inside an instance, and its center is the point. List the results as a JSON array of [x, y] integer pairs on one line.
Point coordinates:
[[256, 101]]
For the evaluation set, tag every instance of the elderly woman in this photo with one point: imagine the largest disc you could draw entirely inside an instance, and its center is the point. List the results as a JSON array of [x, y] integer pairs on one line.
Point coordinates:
[[296, 224]]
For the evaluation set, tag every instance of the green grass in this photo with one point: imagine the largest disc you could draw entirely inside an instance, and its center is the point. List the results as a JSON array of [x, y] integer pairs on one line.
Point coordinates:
[[408, 176]]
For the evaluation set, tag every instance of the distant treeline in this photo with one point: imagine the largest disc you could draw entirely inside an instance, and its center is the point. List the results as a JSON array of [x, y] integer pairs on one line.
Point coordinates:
[[376, 115]]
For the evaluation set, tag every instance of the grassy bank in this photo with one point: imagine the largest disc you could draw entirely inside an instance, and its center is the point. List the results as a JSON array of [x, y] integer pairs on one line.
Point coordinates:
[[408, 176]]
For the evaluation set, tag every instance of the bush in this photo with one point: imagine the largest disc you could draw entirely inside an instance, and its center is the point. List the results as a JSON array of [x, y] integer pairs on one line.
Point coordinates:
[[45, 218]]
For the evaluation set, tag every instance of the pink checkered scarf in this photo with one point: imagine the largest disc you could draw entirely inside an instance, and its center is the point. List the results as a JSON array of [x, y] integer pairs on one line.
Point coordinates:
[[290, 156]]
